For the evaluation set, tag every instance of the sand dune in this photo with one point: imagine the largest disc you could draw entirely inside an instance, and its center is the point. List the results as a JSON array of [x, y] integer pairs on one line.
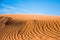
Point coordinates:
[[29, 27]]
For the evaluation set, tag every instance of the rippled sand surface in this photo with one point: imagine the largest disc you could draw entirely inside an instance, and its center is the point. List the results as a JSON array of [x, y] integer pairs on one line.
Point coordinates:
[[29, 27]]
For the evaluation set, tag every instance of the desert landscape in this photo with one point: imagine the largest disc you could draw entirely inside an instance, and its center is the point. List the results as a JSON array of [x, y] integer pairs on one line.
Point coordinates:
[[29, 27]]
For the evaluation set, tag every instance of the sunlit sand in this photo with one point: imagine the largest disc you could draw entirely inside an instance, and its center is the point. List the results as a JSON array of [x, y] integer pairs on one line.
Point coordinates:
[[29, 27]]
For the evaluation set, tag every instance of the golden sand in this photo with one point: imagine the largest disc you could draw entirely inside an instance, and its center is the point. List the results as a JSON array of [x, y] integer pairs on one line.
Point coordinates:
[[29, 27]]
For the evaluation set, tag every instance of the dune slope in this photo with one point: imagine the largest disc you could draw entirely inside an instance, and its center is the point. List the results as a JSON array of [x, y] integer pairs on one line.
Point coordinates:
[[29, 27]]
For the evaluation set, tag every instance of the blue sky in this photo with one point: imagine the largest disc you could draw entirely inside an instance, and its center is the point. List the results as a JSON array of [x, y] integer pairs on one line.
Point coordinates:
[[46, 7]]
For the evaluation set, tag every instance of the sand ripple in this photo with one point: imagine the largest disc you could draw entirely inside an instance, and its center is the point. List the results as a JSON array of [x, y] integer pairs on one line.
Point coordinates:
[[11, 29]]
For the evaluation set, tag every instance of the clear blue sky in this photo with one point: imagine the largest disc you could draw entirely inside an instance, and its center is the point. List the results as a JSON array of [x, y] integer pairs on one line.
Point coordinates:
[[48, 7]]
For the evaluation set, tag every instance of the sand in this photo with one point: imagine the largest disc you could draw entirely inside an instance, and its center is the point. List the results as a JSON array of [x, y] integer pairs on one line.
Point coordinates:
[[29, 27]]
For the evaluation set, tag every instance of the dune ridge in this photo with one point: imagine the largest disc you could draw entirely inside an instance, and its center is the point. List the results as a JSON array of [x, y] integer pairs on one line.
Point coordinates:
[[23, 27]]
